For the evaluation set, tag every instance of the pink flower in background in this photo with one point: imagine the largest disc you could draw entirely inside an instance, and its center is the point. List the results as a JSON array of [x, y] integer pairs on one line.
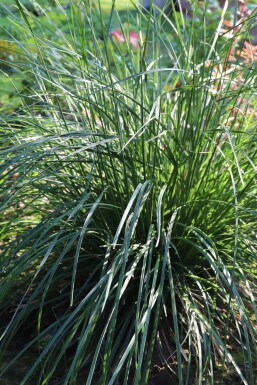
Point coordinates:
[[119, 37], [133, 38]]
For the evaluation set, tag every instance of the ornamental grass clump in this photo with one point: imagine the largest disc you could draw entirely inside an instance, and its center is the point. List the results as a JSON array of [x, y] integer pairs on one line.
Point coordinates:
[[129, 201]]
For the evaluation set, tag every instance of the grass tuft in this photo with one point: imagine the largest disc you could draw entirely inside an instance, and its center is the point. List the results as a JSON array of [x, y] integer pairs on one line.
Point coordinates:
[[128, 199]]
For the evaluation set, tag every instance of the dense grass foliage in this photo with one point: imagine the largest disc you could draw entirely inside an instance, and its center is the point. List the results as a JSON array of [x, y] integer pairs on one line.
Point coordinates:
[[128, 199]]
